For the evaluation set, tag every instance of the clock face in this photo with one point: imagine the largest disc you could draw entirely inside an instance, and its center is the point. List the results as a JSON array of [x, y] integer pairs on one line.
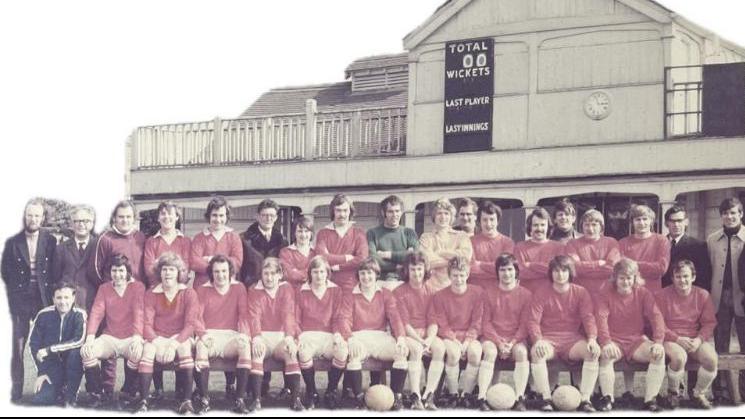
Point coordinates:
[[597, 106]]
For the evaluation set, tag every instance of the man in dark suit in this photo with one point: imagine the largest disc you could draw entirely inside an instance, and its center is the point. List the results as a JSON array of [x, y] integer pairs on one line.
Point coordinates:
[[261, 240], [683, 246], [27, 272], [73, 259]]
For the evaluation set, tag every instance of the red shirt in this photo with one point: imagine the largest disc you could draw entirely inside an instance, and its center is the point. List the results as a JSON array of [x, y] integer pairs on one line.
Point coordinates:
[[456, 313], [205, 244], [586, 254], [539, 255], [414, 305], [111, 243], [223, 312], [689, 316], [334, 248], [485, 253], [359, 314], [555, 313], [295, 265], [622, 318], [124, 315], [170, 318], [272, 314], [155, 246], [319, 314], [505, 314], [652, 254]]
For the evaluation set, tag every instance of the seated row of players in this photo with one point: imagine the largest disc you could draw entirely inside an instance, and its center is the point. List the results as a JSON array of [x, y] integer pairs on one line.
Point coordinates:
[[461, 322]]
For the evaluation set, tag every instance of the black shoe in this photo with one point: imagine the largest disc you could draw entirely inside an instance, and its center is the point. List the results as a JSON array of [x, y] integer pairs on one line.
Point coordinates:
[[360, 402], [185, 407], [201, 404], [347, 394], [297, 404], [312, 400], [627, 400], [483, 405], [331, 399], [519, 405], [605, 404], [700, 402], [93, 401], [463, 402], [449, 401], [141, 406], [126, 400], [416, 402], [398, 402], [284, 395], [429, 402], [254, 404], [586, 407], [71, 402], [672, 401], [652, 406], [545, 405], [239, 406]]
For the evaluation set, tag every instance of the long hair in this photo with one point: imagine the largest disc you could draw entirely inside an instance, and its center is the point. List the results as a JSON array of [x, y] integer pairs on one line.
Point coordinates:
[[562, 262], [171, 259]]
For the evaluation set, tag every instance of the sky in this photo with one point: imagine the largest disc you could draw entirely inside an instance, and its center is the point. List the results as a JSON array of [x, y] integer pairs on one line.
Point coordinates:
[[76, 77]]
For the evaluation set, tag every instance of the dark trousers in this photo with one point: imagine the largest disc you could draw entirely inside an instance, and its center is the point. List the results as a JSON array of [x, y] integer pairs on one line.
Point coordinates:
[[722, 337], [65, 371], [21, 326]]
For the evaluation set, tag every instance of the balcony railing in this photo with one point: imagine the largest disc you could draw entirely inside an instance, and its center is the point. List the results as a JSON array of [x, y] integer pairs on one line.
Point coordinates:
[[309, 136]]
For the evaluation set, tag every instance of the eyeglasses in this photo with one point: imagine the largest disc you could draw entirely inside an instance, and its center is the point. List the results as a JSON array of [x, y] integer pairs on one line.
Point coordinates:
[[82, 221]]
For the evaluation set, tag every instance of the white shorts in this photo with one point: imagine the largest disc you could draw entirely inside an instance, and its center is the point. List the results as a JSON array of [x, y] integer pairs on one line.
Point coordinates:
[[220, 340], [322, 344], [112, 347], [272, 340], [375, 344], [161, 343]]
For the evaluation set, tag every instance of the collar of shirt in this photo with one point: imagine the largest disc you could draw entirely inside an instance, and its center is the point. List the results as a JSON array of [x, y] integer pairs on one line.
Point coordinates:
[[342, 232], [116, 230], [740, 234], [358, 290], [209, 284], [260, 285], [159, 288], [208, 232], [178, 234], [307, 287]]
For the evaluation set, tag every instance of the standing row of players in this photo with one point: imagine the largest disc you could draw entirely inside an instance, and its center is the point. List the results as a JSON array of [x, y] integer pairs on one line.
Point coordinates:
[[345, 246]]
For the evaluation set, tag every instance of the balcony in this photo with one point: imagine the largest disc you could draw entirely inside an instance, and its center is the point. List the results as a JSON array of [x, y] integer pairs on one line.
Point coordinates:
[[311, 136]]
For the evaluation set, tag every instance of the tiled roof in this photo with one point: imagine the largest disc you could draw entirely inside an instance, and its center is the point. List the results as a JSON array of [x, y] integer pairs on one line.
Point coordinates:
[[329, 97], [379, 61]]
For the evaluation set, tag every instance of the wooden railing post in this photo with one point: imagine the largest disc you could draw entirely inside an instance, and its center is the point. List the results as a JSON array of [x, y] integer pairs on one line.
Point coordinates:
[[355, 136], [311, 117], [217, 143]]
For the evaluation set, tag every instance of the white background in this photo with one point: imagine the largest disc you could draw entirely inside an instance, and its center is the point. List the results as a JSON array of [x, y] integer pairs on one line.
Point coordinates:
[[76, 77]]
